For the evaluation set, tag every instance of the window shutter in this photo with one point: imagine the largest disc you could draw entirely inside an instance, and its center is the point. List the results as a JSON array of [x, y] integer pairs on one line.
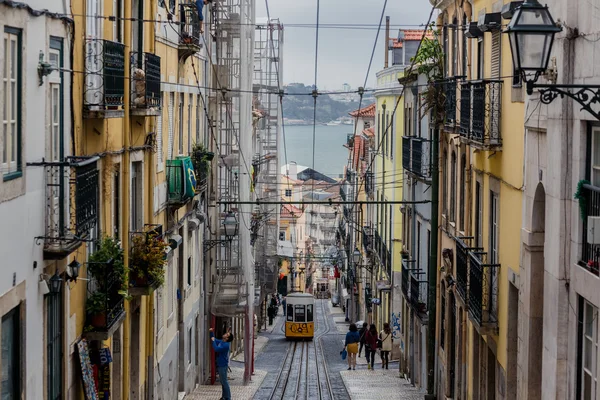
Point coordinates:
[[170, 144], [496, 53], [159, 141]]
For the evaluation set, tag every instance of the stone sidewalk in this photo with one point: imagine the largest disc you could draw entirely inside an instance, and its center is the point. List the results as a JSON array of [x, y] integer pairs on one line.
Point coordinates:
[[236, 382], [364, 384]]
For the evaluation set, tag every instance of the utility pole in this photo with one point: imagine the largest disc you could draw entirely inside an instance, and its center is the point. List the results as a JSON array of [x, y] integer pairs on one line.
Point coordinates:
[[432, 271]]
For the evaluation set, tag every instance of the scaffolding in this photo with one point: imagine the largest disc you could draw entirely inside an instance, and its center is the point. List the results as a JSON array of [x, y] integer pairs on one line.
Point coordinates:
[[232, 62], [267, 79]]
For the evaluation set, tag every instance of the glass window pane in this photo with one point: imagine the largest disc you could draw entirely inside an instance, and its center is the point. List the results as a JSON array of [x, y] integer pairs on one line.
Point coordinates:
[[13, 103], [6, 59], [5, 101], [290, 312], [587, 354], [13, 142], [4, 140], [589, 319], [309, 313], [13, 61], [587, 387], [300, 317]]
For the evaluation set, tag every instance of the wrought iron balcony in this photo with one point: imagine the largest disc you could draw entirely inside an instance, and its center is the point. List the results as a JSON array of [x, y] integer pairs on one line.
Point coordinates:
[[465, 109], [462, 268], [418, 293], [367, 238], [369, 183], [71, 205], [406, 279], [106, 295], [104, 88], [145, 84], [480, 126], [590, 253], [450, 104], [416, 157], [181, 182], [483, 290], [350, 140], [190, 39]]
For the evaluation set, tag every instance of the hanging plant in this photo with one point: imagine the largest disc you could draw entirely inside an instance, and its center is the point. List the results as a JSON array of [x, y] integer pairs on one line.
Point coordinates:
[[147, 260], [579, 195], [201, 159]]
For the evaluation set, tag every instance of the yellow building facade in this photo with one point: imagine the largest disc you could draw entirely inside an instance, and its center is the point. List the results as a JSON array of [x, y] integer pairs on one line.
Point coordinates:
[[481, 183], [138, 107]]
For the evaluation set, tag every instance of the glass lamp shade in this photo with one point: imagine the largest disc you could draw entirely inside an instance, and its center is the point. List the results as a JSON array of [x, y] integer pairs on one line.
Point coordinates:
[[231, 225], [531, 35], [73, 269], [356, 256], [54, 284]]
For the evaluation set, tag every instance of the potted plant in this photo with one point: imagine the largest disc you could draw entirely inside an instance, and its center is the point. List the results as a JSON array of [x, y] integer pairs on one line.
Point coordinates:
[[147, 261], [104, 265], [404, 254], [201, 159], [95, 307]]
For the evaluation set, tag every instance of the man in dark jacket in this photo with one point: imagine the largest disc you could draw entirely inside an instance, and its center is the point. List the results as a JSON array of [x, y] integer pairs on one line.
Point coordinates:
[[221, 348], [363, 333]]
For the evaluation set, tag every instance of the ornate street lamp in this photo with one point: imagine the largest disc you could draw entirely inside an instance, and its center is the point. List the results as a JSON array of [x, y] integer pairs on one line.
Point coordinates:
[[73, 270], [54, 283], [356, 256], [230, 226], [531, 34]]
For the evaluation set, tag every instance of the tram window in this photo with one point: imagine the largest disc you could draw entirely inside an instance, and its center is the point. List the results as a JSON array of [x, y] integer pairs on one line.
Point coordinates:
[[309, 313], [299, 313], [290, 312]]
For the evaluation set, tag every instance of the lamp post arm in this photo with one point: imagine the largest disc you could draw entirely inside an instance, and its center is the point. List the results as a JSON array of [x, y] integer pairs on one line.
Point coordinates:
[[585, 95]]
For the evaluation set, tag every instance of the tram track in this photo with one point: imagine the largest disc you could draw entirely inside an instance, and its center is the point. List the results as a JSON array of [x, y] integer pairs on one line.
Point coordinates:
[[304, 374]]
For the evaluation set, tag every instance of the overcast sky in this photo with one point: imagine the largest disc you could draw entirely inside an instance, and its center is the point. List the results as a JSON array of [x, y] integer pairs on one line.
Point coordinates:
[[343, 53]]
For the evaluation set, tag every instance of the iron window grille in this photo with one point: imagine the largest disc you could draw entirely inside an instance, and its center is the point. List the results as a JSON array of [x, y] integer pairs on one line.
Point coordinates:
[[104, 75], [483, 127], [145, 81], [483, 289]]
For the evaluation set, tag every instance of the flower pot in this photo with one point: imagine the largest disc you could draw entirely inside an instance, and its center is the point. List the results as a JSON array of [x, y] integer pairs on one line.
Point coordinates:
[[99, 320], [141, 281]]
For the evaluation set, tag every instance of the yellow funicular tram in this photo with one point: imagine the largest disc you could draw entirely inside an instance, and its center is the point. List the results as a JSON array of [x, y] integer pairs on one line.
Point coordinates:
[[299, 320]]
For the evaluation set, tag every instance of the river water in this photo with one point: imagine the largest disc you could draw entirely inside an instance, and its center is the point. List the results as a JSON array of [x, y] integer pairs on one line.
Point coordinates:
[[330, 155]]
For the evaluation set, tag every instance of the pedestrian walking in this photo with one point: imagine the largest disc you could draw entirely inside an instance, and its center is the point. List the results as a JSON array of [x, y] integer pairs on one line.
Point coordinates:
[[362, 332], [351, 345], [371, 345], [386, 345], [221, 347], [284, 309]]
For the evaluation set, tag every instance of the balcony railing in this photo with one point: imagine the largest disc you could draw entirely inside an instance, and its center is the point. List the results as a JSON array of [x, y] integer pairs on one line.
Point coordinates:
[[367, 238], [104, 88], [590, 253], [71, 205], [406, 279], [465, 109], [462, 268], [483, 290], [105, 291], [416, 156], [418, 293], [181, 183], [481, 125], [450, 104], [190, 40], [145, 81]]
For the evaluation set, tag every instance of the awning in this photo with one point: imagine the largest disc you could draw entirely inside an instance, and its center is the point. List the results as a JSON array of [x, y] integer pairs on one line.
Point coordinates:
[[383, 285]]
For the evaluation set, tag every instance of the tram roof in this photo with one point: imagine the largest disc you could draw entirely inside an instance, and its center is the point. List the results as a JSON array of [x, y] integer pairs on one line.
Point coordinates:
[[299, 294]]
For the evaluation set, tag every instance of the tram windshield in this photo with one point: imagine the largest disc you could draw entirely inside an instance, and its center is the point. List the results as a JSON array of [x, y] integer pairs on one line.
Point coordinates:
[[290, 312], [309, 313], [300, 317]]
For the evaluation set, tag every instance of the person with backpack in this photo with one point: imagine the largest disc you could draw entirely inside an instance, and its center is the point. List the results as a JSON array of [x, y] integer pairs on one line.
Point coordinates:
[[362, 332], [371, 345], [386, 339]]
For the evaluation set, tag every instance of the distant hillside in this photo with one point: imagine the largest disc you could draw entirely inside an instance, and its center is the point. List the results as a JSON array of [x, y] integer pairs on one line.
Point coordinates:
[[301, 107]]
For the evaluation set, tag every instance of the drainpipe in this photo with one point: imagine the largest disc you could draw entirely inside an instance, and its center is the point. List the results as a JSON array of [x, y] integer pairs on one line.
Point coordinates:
[[126, 195]]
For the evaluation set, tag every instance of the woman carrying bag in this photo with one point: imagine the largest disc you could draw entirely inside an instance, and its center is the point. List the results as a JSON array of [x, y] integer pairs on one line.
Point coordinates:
[[351, 345], [385, 337]]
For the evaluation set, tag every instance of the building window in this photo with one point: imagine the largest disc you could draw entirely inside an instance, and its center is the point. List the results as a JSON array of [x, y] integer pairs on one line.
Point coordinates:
[[494, 231], [453, 187], [10, 381], [418, 242], [463, 192], [480, 59], [11, 111], [190, 103], [465, 47], [443, 315], [445, 183], [170, 123], [281, 235], [446, 45], [455, 47], [391, 135], [137, 199], [190, 347], [116, 202], [118, 22], [181, 104], [478, 216], [54, 346], [587, 382], [496, 54], [288, 192], [159, 141], [198, 118], [595, 170], [170, 288], [160, 314]]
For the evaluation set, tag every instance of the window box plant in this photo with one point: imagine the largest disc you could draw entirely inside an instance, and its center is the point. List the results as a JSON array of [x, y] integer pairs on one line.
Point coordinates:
[[147, 261], [201, 159]]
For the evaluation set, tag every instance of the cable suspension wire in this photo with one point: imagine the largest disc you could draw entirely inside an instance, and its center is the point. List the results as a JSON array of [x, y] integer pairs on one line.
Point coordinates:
[[315, 94]]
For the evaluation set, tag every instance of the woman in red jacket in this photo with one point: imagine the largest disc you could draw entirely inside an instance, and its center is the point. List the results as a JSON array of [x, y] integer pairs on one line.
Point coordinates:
[[371, 345]]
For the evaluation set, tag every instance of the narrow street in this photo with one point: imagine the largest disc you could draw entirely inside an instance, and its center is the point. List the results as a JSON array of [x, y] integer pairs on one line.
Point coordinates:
[[298, 370]]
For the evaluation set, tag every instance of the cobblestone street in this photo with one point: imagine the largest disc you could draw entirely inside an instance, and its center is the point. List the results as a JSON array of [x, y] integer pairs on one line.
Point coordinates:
[[361, 384]]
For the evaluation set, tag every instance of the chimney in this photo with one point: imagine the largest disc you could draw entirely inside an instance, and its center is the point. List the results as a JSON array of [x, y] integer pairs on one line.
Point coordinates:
[[387, 41], [293, 170]]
